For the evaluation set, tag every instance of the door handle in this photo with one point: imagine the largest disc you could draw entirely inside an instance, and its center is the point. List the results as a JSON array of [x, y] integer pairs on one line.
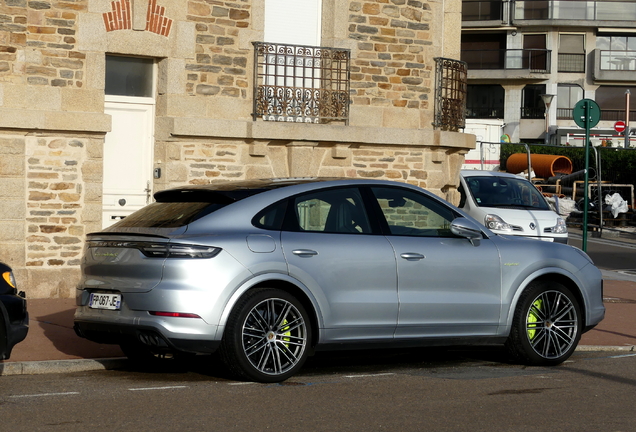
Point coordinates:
[[304, 252], [412, 256]]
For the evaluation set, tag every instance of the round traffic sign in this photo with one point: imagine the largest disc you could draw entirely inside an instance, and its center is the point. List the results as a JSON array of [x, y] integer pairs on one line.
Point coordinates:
[[586, 113], [620, 126]]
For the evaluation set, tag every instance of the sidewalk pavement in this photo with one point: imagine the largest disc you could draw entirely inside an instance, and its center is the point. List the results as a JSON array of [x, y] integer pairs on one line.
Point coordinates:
[[51, 345]]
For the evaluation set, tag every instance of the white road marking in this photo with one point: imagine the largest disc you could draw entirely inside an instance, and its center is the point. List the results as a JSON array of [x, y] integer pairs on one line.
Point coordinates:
[[242, 383], [157, 388], [45, 394], [366, 376], [624, 355]]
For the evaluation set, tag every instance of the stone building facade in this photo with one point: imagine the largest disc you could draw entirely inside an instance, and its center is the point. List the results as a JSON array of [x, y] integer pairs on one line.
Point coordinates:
[[55, 121]]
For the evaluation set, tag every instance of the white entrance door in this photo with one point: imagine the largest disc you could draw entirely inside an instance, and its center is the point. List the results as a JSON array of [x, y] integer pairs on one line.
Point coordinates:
[[127, 157]]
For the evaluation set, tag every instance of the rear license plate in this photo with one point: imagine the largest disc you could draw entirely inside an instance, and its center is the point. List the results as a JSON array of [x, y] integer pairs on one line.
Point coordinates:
[[104, 301]]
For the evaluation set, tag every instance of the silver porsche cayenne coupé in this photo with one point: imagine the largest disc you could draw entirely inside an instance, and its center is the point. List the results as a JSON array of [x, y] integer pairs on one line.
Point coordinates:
[[266, 272]]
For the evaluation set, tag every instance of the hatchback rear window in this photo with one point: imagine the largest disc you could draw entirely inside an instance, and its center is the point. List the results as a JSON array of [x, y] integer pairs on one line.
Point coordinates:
[[168, 214]]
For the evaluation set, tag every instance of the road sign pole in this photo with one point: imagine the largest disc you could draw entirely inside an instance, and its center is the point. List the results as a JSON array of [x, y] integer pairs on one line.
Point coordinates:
[[587, 170], [586, 114]]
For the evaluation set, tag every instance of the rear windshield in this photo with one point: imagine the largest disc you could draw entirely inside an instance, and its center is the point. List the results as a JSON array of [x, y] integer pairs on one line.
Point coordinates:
[[179, 207], [168, 214]]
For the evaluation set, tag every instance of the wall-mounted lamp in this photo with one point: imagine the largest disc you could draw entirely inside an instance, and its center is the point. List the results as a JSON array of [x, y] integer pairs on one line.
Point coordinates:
[[513, 33]]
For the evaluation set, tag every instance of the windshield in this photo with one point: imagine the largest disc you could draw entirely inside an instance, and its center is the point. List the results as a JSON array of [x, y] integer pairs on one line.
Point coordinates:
[[492, 191]]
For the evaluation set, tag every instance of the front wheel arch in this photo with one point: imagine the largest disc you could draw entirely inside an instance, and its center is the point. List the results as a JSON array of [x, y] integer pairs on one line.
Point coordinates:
[[562, 279], [547, 324]]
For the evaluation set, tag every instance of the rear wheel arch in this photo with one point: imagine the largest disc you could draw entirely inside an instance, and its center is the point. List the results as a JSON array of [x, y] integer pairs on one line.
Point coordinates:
[[298, 293]]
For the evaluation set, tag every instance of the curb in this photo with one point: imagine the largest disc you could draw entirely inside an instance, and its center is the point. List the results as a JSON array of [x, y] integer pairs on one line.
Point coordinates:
[[60, 366], [84, 365], [605, 348]]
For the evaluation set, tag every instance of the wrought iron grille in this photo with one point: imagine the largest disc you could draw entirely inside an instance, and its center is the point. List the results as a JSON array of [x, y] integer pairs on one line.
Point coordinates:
[[298, 83], [450, 94]]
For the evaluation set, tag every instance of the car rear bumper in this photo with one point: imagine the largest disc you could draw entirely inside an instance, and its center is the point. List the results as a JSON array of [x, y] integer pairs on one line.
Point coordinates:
[[192, 335], [150, 336]]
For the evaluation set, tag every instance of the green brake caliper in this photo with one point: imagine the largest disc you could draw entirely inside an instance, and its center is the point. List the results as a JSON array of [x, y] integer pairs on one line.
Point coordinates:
[[285, 330], [533, 318]]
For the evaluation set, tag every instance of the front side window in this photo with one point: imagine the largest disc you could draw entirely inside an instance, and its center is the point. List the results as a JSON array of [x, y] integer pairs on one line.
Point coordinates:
[[411, 214], [332, 211]]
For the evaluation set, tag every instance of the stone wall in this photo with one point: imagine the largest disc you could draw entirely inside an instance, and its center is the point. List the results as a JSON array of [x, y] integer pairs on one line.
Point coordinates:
[[197, 162], [51, 200], [220, 66], [38, 43], [392, 66]]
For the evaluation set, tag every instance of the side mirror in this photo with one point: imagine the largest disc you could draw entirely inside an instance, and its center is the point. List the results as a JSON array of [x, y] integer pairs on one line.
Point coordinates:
[[466, 228]]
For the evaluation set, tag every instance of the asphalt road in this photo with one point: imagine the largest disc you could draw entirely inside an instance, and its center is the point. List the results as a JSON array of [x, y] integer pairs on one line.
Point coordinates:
[[607, 253], [409, 390]]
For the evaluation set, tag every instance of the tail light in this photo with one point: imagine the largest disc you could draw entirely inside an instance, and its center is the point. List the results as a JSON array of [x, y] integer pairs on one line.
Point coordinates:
[[161, 250]]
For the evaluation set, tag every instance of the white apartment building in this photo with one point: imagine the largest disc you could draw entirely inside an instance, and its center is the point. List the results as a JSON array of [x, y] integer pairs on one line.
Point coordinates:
[[517, 51]]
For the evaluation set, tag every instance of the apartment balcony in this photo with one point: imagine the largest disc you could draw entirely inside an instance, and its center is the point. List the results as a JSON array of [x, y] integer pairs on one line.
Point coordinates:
[[569, 12], [485, 13], [614, 65], [507, 63]]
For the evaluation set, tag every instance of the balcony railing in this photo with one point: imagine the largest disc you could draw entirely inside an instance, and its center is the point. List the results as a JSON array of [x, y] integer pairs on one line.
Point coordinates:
[[575, 10], [485, 112], [606, 114], [297, 83], [482, 10], [571, 62], [618, 60], [450, 94], [534, 60], [532, 112]]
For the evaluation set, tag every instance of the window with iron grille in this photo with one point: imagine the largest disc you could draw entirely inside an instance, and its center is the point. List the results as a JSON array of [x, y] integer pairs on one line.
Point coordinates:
[[299, 83], [450, 94]]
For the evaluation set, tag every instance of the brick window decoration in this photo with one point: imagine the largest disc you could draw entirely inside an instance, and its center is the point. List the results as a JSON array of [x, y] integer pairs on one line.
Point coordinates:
[[120, 18], [156, 21]]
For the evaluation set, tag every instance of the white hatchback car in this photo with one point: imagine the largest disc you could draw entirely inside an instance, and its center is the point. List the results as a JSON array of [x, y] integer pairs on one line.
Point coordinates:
[[509, 204]]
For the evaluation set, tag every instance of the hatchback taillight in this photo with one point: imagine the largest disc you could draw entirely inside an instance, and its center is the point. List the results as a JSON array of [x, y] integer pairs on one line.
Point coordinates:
[[161, 250]]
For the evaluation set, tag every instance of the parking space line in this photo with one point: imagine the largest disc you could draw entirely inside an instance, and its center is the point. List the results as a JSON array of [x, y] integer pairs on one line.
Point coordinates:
[[623, 355], [157, 388], [369, 375], [45, 394]]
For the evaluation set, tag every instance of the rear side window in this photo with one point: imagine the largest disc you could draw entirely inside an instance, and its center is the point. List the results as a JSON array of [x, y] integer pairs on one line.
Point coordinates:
[[168, 214], [331, 211]]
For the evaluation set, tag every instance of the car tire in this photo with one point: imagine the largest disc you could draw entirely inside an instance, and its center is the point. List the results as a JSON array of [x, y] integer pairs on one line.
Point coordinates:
[[267, 336], [546, 326]]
